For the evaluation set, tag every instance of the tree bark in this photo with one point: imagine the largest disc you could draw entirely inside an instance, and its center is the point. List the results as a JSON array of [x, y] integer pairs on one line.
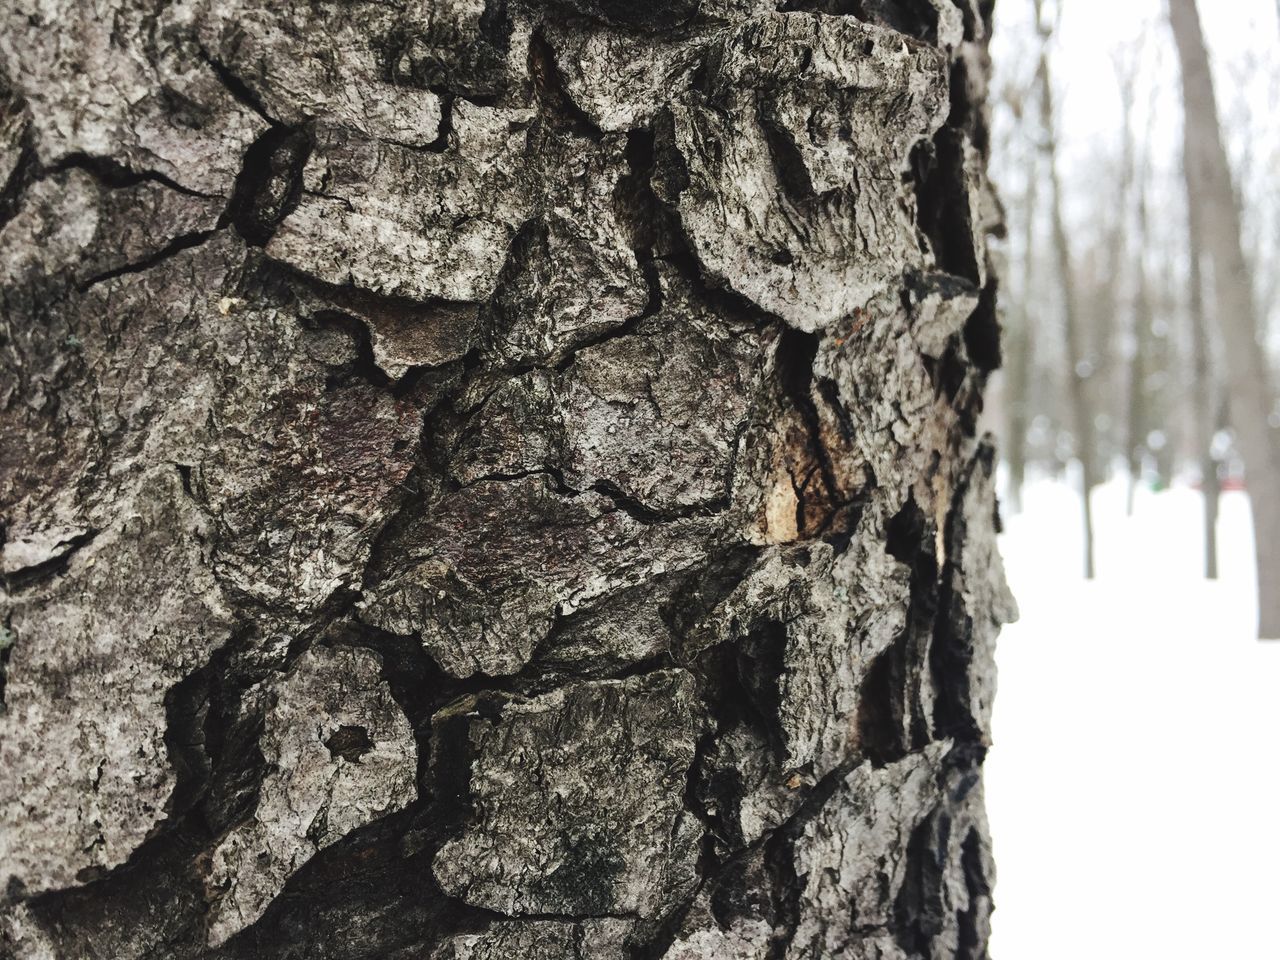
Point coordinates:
[[1209, 187], [496, 480]]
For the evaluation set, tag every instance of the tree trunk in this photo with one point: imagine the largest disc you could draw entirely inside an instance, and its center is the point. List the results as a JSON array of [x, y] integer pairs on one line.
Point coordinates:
[[1120, 255], [1209, 186], [1021, 346], [1138, 418], [1205, 411], [1079, 370], [496, 482]]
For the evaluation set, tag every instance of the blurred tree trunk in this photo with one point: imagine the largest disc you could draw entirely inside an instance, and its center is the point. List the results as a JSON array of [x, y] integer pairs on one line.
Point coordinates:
[[1079, 369], [1137, 419], [495, 480], [1118, 260], [1021, 344], [1209, 187], [1206, 408]]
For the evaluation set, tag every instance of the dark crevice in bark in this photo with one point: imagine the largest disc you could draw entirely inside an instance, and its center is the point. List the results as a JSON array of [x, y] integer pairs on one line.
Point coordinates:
[[942, 203], [362, 366], [107, 172], [7, 640], [212, 738], [788, 162], [952, 651], [629, 505], [970, 16], [356, 311], [636, 509], [372, 893], [558, 107], [418, 685], [741, 678], [528, 245], [26, 170], [642, 513], [37, 573], [970, 935], [779, 853], [705, 588], [651, 308], [982, 331], [720, 297], [212, 742], [830, 394], [966, 115], [693, 803], [113, 174], [759, 881], [155, 890], [672, 245], [918, 908], [881, 705], [759, 661], [948, 372], [444, 139], [238, 87], [635, 204], [892, 718], [915, 18], [920, 912], [796, 352], [269, 185], [185, 478], [171, 249]]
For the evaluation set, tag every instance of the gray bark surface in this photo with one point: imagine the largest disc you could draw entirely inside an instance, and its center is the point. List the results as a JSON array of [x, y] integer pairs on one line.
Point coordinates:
[[492, 480]]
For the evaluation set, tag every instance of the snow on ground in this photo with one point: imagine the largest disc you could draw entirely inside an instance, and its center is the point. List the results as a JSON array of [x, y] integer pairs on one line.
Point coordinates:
[[1133, 785]]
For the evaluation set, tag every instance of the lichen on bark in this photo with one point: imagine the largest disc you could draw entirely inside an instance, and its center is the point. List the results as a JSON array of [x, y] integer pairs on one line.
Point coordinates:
[[495, 478]]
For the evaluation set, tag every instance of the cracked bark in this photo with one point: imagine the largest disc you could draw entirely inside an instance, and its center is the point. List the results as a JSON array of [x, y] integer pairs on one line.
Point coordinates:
[[495, 480]]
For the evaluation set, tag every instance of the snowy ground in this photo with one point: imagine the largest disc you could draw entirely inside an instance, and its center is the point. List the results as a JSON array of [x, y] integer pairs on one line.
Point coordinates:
[[1133, 786]]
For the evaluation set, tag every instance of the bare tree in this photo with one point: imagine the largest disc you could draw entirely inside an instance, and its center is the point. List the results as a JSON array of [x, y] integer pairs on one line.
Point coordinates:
[[495, 480], [1021, 334], [1205, 404], [1210, 188], [1079, 366], [1137, 420], [1118, 257]]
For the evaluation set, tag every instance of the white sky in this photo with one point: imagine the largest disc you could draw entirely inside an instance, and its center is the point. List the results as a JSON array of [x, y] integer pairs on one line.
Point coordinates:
[[1244, 40]]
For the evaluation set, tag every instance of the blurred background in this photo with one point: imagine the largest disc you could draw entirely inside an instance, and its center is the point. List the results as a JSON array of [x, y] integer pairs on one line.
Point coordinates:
[[1134, 776]]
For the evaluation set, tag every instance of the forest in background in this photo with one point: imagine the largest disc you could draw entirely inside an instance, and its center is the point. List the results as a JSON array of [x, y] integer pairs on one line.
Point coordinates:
[[1115, 359]]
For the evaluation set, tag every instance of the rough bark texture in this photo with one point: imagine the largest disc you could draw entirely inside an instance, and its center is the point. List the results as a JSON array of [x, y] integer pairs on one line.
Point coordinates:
[[490, 480]]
